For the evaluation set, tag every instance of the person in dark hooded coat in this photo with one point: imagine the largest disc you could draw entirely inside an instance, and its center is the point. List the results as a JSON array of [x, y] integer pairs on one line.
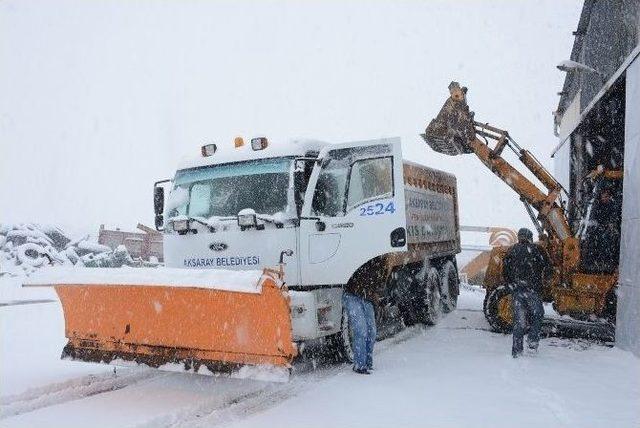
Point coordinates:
[[524, 268]]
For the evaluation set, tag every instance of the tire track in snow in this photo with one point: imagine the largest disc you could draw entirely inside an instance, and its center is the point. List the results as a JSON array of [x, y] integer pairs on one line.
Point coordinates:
[[73, 389], [262, 402], [515, 375], [259, 397]]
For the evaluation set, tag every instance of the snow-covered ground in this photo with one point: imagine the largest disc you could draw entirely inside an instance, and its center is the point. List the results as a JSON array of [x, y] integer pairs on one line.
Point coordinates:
[[456, 374]]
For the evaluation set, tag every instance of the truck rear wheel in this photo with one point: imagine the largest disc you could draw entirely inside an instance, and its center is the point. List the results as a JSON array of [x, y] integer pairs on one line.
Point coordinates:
[[450, 286], [403, 288], [498, 309], [430, 309]]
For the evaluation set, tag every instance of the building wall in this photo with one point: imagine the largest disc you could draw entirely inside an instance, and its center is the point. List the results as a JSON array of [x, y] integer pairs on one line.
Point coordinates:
[[628, 316], [607, 33], [139, 245], [609, 38]]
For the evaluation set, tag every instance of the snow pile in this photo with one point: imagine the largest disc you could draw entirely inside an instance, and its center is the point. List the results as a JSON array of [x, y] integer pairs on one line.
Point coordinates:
[[27, 247]]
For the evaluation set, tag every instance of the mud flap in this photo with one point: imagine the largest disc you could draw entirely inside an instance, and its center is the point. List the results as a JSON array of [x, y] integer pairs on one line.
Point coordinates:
[[196, 329]]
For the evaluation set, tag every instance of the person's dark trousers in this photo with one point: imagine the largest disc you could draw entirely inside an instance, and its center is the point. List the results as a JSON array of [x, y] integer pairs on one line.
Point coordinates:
[[527, 304], [363, 329]]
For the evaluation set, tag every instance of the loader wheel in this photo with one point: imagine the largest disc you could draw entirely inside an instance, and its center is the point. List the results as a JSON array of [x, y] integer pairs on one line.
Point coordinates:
[[498, 309], [610, 306], [450, 286], [430, 309]]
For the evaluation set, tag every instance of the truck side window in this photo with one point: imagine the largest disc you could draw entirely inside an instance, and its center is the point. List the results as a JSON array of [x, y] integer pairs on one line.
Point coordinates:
[[370, 179], [329, 194], [328, 198]]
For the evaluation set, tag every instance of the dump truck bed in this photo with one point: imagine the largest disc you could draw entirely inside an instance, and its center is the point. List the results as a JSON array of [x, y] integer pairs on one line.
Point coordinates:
[[431, 206]]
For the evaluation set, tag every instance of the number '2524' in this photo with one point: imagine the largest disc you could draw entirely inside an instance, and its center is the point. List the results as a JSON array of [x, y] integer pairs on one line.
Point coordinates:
[[378, 209]]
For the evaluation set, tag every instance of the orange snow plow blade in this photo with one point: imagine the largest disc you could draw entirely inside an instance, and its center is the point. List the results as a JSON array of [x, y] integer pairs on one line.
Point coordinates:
[[196, 327]]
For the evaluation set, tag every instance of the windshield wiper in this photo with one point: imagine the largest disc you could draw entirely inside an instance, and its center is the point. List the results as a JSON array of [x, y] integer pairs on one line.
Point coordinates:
[[278, 223]]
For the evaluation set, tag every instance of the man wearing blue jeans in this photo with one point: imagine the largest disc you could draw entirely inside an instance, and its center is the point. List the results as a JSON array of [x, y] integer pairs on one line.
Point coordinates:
[[362, 321], [358, 300]]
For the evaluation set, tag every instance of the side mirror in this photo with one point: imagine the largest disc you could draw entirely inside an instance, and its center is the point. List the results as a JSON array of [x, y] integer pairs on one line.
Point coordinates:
[[158, 206], [158, 200], [158, 203], [159, 222]]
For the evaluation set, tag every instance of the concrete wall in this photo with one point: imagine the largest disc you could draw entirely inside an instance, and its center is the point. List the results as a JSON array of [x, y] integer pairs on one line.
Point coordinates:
[[628, 316]]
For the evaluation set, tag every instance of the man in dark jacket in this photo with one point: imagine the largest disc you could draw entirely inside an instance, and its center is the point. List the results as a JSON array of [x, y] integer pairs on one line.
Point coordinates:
[[524, 268], [358, 300]]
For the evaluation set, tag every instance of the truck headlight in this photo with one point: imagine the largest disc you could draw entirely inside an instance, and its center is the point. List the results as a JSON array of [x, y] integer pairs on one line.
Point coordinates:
[[180, 225]]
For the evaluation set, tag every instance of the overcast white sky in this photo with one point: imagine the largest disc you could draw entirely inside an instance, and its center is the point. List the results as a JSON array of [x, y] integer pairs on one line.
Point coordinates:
[[99, 99]]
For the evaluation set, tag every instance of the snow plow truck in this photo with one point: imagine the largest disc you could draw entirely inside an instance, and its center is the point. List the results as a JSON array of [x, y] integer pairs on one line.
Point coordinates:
[[259, 240]]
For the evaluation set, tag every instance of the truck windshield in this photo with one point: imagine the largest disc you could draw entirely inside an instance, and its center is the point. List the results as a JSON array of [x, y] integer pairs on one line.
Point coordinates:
[[224, 190]]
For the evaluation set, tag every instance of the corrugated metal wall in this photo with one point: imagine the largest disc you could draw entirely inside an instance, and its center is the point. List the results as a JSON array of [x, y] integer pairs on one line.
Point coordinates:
[[628, 316], [606, 35]]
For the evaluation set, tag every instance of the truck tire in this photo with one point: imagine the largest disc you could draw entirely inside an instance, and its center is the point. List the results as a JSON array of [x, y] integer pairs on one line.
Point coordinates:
[[430, 309], [450, 286], [340, 343], [498, 309], [31, 254], [403, 287]]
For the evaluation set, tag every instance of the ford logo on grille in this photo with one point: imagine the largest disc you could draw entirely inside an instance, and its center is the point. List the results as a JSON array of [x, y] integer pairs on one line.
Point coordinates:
[[218, 246]]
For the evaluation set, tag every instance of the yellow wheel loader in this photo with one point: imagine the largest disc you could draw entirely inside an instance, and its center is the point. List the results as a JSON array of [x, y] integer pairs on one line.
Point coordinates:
[[584, 260]]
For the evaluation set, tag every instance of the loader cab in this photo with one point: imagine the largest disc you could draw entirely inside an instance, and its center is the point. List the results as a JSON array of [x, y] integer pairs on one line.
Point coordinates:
[[599, 229]]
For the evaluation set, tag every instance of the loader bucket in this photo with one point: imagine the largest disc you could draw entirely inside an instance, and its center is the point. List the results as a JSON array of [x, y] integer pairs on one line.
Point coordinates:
[[452, 129], [199, 329]]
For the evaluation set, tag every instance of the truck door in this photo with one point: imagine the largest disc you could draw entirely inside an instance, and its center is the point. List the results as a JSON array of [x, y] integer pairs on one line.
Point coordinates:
[[353, 210]]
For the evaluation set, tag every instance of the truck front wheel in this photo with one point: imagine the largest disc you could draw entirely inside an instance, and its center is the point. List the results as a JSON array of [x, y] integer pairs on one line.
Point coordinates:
[[340, 343], [498, 309]]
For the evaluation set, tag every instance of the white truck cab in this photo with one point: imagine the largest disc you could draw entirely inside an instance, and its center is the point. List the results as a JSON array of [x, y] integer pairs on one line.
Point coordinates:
[[335, 206]]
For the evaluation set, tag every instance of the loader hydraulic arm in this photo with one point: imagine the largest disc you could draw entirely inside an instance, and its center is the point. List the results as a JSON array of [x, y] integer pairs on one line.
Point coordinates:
[[454, 131]]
